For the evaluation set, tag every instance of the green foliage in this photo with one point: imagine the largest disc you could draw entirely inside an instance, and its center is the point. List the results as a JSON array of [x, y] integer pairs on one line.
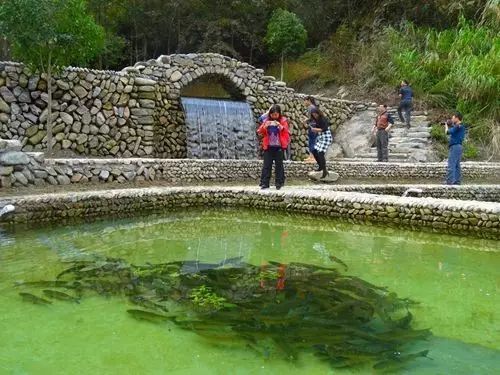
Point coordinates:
[[45, 33], [438, 134], [50, 34], [268, 275], [451, 69], [203, 296], [286, 34], [470, 151]]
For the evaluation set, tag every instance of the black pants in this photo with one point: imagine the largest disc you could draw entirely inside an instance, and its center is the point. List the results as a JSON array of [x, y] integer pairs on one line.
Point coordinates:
[[405, 106], [382, 145], [321, 160], [270, 155]]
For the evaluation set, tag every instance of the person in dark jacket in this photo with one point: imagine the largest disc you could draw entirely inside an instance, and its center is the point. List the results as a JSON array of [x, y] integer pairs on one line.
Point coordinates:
[[324, 139], [456, 130], [275, 140], [406, 103], [380, 129], [310, 103]]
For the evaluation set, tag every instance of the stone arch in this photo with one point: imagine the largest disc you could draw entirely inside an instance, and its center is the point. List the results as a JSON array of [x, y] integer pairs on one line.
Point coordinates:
[[214, 86], [175, 72]]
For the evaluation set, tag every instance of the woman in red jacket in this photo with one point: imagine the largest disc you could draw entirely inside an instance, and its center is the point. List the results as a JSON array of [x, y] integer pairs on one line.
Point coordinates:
[[276, 137]]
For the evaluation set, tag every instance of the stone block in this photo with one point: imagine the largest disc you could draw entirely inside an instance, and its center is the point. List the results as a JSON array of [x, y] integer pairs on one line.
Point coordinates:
[[20, 178], [6, 170], [14, 158], [63, 180], [10, 145], [5, 181]]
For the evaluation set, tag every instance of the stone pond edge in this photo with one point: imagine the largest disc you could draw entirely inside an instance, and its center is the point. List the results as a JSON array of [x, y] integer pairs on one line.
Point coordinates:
[[407, 212]]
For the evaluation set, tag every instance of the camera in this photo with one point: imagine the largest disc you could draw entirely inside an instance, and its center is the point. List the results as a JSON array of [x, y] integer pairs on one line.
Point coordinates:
[[448, 122]]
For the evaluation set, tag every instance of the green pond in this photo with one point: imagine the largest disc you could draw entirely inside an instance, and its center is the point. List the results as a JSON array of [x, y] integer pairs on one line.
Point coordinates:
[[455, 279]]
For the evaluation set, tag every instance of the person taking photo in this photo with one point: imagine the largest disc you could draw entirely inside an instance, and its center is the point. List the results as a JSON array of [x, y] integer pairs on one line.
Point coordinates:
[[456, 130]]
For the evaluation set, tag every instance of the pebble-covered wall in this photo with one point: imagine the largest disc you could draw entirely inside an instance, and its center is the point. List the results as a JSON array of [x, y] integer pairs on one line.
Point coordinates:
[[18, 168], [136, 112], [486, 193], [482, 218]]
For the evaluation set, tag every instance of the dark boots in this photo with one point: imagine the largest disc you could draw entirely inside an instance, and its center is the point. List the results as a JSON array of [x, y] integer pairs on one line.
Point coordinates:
[[322, 164]]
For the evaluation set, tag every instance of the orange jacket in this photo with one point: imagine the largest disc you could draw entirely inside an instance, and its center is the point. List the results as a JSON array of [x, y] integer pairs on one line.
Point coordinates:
[[284, 133]]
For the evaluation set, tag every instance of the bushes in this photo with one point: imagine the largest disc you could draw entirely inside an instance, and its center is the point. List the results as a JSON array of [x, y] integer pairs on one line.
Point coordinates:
[[449, 70], [470, 150]]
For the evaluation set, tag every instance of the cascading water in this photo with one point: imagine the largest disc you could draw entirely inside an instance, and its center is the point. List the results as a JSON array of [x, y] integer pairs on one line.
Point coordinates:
[[219, 129]]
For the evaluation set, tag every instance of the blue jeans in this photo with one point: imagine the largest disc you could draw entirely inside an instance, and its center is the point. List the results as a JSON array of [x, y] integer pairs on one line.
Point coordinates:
[[454, 157], [405, 106], [311, 140]]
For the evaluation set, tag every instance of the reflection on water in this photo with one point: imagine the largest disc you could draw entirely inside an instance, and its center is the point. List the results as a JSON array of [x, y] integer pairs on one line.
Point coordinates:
[[454, 278]]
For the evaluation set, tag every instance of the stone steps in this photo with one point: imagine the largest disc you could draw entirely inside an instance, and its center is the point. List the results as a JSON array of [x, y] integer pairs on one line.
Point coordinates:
[[392, 155], [405, 145]]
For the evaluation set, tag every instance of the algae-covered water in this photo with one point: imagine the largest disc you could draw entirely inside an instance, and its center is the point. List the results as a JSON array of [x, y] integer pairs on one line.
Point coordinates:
[[455, 279]]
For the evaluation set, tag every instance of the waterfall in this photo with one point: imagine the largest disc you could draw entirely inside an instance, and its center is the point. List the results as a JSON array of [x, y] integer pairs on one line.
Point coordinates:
[[219, 129]]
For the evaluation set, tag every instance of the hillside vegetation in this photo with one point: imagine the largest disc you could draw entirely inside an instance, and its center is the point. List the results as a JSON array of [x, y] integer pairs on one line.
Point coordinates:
[[450, 69], [449, 50]]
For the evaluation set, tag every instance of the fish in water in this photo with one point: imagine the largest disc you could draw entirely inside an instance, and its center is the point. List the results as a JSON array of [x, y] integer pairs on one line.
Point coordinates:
[[34, 299], [397, 361], [43, 283], [55, 294], [148, 316], [144, 302], [333, 258]]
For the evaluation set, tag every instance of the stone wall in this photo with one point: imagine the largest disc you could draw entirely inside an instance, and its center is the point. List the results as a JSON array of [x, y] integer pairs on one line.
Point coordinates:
[[486, 193], [136, 112], [482, 218], [23, 169]]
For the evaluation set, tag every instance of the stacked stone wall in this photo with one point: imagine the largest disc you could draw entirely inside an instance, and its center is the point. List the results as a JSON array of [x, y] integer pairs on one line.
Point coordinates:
[[488, 193], [19, 168], [137, 112], [482, 218]]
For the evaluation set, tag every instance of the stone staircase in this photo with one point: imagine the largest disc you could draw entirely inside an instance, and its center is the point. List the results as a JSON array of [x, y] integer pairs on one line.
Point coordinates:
[[405, 145]]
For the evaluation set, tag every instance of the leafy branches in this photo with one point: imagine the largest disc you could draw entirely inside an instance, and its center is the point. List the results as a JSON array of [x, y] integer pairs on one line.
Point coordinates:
[[50, 34], [286, 36]]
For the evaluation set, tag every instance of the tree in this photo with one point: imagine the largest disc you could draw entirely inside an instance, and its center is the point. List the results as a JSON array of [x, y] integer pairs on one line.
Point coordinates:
[[48, 35], [285, 35]]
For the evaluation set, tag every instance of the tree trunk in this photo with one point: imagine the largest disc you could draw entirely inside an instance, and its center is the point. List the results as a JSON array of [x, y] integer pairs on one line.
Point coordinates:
[[251, 52], [49, 106], [282, 65]]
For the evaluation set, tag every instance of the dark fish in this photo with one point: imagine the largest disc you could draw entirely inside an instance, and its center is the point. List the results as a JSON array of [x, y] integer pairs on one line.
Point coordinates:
[[333, 258], [60, 295], [73, 269], [191, 266], [34, 299], [398, 361], [232, 261], [366, 284], [404, 322], [43, 283], [402, 335], [144, 302], [148, 316]]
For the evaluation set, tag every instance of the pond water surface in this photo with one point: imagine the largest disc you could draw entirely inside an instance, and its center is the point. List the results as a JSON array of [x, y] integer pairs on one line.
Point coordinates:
[[455, 279]]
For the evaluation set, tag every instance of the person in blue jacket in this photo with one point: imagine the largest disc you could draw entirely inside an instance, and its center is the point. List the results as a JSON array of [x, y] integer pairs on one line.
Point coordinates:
[[406, 103], [456, 130]]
